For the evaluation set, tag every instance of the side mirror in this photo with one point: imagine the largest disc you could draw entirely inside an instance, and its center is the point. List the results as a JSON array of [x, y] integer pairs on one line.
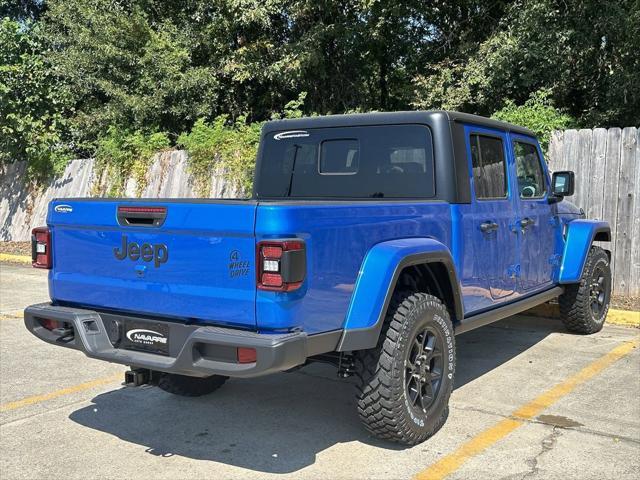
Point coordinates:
[[562, 184]]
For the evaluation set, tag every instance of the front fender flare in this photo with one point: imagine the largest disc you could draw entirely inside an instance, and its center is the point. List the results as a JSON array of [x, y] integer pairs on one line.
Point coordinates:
[[579, 238], [376, 282]]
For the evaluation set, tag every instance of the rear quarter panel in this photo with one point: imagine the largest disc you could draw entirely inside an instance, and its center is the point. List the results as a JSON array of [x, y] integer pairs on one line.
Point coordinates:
[[338, 235]]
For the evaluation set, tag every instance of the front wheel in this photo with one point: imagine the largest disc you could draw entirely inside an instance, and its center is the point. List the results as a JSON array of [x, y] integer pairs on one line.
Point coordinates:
[[584, 305], [406, 381]]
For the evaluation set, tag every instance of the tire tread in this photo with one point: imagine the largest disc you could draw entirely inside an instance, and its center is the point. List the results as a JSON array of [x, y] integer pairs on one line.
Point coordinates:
[[575, 308], [379, 401]]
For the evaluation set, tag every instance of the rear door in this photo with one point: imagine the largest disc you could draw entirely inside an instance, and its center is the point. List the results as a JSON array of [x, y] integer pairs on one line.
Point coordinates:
[[195, 262], [535, 218], [489, 241]]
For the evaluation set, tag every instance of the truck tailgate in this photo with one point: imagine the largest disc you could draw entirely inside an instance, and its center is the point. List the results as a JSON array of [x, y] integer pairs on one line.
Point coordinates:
[[195, 264]]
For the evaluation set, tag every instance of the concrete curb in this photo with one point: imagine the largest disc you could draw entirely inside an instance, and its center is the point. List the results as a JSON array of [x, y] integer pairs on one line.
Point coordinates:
[[627, 318], [624, 317], [10, 258]]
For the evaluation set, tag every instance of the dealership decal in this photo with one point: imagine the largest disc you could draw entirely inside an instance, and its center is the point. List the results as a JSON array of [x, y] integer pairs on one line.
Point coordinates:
[[146, 337]]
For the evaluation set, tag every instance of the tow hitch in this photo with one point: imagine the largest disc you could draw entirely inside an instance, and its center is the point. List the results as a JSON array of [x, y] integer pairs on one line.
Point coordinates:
[[136, 377]]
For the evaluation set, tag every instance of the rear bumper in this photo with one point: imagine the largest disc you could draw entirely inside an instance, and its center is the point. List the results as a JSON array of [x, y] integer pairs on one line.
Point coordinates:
[[197, 351]]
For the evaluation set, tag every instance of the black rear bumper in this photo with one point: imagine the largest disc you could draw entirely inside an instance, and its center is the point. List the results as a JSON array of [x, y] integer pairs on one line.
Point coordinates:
[[194, 350]]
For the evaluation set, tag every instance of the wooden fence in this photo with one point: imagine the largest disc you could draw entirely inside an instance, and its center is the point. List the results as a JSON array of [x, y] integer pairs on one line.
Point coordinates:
[[607, 167]]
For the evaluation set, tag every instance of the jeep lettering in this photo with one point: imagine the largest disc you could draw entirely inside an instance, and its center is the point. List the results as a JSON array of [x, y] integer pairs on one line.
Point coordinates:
[[158, 252]]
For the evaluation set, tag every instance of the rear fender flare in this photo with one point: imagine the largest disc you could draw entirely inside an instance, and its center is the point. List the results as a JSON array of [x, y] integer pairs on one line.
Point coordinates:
[[376, 282], [580, 236]]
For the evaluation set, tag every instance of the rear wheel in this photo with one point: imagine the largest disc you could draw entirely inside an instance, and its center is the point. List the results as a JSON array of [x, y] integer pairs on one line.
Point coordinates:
[[584, 305], [190, 386], [406, 381]]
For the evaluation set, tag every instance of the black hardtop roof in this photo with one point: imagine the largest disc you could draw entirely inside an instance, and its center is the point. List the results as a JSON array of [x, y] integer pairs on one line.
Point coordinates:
[[384, 118]]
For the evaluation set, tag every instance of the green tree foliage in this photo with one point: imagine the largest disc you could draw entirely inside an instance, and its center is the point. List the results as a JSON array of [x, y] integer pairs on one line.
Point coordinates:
[[77, 74], [22, 10], [538, 114], [585, 53], [32, 107]]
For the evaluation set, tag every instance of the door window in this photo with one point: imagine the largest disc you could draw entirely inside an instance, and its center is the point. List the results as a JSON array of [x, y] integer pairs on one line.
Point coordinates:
[[489, 167], [531, 182]]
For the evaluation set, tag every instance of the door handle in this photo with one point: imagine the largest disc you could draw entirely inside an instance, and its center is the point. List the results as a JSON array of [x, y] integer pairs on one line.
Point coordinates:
[[526, 222], [488, 227]]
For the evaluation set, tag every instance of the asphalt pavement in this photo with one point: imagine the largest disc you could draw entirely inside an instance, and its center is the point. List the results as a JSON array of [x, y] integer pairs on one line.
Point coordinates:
[[531, 401]]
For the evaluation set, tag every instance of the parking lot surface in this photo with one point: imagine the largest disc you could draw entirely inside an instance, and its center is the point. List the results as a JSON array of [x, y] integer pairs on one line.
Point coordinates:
[[531, 401]]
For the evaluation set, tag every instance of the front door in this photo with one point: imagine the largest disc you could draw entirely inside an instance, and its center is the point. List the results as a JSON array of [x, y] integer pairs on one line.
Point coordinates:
[[536, 223], [489, 237]]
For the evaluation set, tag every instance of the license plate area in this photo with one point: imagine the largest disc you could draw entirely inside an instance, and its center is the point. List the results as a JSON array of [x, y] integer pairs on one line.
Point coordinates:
[[146, 337]]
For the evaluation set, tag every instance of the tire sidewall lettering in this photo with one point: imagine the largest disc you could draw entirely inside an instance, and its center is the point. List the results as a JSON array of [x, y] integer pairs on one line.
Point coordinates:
[[607, 267], [447, 378]]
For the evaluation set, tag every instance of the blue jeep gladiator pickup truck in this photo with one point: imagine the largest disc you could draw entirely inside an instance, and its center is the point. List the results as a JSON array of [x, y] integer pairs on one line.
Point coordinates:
[[370, 240]]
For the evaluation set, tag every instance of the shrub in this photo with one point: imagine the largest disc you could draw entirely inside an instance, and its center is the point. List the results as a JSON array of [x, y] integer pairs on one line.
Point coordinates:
[[538, 114], [123, 154], [232, 146]]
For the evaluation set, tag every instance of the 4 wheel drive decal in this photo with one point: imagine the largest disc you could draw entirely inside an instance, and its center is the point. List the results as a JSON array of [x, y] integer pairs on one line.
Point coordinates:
[[237, 266]]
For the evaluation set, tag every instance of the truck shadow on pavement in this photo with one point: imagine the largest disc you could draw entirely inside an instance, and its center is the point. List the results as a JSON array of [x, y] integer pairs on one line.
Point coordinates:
[[279, 424]]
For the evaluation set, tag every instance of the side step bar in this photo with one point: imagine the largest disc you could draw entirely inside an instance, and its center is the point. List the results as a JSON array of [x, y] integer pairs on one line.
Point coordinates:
[[519, 306]]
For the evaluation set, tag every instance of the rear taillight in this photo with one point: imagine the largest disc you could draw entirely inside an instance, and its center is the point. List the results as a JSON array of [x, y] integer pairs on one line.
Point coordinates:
[[282, 265], [41, 247]]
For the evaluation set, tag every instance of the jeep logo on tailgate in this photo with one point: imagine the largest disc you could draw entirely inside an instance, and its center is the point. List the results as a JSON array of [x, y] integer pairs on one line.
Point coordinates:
[[157, 252]]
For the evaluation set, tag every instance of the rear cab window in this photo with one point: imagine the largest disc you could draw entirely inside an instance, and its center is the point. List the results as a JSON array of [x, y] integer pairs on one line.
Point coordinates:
[[386, 161]]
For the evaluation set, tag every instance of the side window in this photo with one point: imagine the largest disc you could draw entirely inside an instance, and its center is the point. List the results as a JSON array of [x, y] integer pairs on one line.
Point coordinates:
[[489, 167], [531, 182]]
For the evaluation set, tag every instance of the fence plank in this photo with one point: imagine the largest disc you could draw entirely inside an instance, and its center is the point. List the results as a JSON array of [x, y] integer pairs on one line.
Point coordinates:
[[634, 261], [582, 165], [611, 175], [626, 178], [556, 150], [597, 168], [570, 155]]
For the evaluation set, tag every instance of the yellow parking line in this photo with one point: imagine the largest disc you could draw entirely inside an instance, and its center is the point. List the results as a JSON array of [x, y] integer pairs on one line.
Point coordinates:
[[623, 317], [8, 257], [488, 437], [5, 407]]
